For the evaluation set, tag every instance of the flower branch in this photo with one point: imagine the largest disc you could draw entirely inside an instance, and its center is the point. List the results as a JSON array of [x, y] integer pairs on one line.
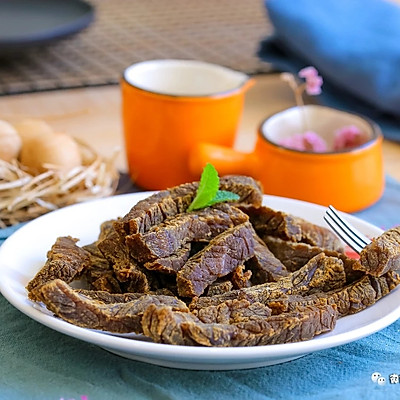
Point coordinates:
[[308, 140]]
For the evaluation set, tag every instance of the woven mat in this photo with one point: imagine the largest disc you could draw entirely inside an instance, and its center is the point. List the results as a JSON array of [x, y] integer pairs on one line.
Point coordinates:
[[224, 32]]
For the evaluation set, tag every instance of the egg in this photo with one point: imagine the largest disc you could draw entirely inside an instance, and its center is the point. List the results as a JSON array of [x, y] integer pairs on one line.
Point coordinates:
[[30, 128], [57, 149], [10, 142]]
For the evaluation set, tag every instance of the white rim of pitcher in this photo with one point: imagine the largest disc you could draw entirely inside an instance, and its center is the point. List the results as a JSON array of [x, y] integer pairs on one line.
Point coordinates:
[[247, 81]]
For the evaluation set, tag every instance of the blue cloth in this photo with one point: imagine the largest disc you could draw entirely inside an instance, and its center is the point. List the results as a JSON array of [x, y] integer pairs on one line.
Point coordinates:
[[354, 44], [37, 363]]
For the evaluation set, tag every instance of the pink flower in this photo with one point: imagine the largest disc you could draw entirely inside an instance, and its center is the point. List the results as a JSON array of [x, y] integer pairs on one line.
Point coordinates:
[[308, 72], [313, 80], [308, 141], [348, 137], [314, 142], [294, 142]]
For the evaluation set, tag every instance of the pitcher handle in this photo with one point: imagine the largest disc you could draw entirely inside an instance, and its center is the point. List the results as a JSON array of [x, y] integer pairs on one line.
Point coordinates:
[[226, 160]]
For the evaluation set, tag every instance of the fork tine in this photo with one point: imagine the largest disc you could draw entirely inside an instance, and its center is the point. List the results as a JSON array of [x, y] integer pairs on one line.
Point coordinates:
[[360, 237], [345, 237], [350, 235]]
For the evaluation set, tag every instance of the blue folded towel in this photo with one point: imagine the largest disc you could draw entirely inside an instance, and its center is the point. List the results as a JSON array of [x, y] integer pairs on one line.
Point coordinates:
[[354, 44]]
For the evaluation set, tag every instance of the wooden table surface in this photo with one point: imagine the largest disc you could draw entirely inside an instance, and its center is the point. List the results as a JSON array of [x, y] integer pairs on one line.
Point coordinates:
[[94, 115]]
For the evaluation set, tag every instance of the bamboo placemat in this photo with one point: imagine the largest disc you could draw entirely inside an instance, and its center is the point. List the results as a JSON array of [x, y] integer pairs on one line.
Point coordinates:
[[225, 32]]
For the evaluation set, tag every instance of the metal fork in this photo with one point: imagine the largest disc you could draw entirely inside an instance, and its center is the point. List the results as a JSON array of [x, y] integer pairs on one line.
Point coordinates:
[[350, 235]]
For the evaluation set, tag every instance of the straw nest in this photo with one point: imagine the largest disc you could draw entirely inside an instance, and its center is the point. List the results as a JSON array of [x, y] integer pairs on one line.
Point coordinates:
[[24, 196]]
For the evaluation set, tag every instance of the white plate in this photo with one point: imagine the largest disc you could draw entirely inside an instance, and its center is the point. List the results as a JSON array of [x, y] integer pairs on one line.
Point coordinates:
[[23, 254]]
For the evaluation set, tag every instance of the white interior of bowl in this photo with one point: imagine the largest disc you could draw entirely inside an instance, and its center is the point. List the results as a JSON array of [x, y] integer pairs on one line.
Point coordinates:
[[183, 77], [322, 120]]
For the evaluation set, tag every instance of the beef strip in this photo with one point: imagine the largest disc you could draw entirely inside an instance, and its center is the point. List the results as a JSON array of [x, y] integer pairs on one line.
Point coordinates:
[[319, 236], [167, 203], [100, 274], [105, 229], [220, 257], [321, 273], [382, 254], [363, 293], [249, 190], [155, 209], [80, 310], [164, 325], [98, 263], [126, 269], [267, 221], [295, 255], [219, 287], [166, 238], [264, 265], [240, 277], [233, 311], [65, 261], [107, 297], [108, 283], [171, 264], [350, 299]]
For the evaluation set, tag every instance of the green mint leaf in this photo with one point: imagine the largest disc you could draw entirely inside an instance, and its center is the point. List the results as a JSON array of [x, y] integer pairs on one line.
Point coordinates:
[[223, 195], [208, 188]]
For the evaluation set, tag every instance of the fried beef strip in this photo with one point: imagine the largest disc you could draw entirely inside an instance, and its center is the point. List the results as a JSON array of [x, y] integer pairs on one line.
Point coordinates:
[[319, 236], [65, 261], [295, 255], [240, 277], [219, 287], [155, 209], [126, 269], [171, 264], [233, 311], [99, 265], [362, 293], [164, 325], [267, 221], [249, 190], [105, 229], [168, 203], [382, 254], [83, 311], [350, 299], [220, 257], [107, 297], [321, 273], [264, 265], [167, 237], [100, 274]]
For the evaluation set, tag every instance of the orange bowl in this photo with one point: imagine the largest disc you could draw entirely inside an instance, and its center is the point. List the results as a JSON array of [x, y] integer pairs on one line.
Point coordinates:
[[350, 179]]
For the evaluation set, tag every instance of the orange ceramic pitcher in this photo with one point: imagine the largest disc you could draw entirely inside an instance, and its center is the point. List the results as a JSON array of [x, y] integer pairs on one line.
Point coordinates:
[[170, 106]]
